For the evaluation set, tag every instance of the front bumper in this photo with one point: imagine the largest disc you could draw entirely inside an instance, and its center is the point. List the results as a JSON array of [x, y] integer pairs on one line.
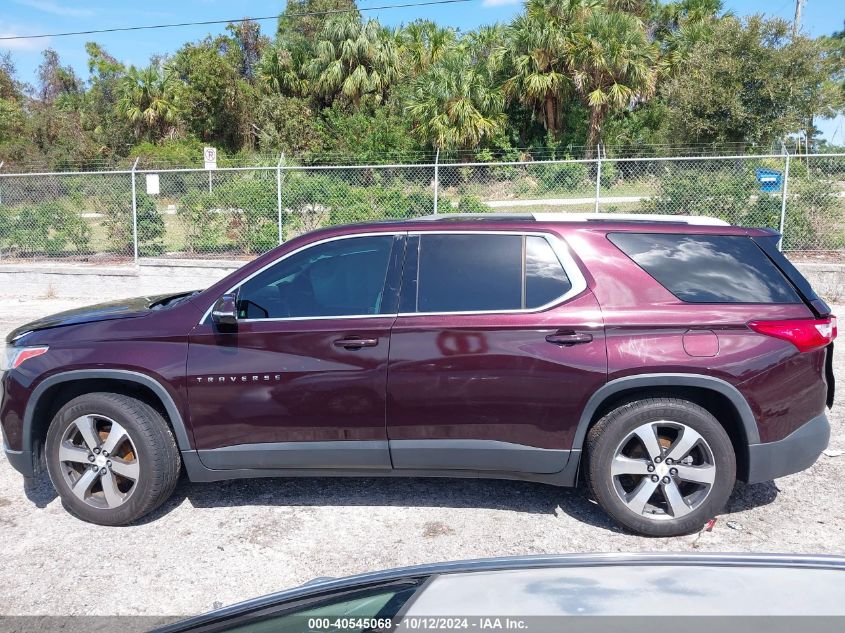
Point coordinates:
[[796, 452]]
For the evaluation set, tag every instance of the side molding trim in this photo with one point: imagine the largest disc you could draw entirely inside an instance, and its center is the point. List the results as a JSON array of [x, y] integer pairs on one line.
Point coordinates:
[[182, 437], [281, 455], [481, 455], [749, 423]]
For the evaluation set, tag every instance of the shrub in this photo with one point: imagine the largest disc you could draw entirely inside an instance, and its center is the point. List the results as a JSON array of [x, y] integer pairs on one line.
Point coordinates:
[[118, 224], [472, 204], [682, 190], [252, 206], [609, 173], [561, 176], [48, 228], [203, 223]]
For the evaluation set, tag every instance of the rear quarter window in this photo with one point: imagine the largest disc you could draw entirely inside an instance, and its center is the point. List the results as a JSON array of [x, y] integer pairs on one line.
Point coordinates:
[[708, 268]]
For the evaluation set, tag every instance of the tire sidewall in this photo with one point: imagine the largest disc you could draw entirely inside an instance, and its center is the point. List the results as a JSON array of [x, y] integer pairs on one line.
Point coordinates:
[[139, 499], [622, 422]]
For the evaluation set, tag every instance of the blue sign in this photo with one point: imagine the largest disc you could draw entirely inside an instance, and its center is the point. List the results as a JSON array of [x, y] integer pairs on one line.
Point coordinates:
[[769, 179]]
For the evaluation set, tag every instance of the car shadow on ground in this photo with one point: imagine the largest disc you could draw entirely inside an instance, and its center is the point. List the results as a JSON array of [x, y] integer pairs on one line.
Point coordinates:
[[514, 496], [39, 490]]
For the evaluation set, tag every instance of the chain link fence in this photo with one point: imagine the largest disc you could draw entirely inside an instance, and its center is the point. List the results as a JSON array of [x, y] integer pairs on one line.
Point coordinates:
[[240, 212]]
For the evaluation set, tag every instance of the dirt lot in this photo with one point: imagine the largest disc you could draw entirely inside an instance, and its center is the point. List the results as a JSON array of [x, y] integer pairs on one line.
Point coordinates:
[[214, 544]]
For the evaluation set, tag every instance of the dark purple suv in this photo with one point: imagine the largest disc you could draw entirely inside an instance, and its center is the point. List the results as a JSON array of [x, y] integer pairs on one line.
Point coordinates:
[[657, 359]]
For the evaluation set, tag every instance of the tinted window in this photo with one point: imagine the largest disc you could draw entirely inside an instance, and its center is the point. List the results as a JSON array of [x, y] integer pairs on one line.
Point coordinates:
[[342, 277], [545, 279], [374, 604], [708, 268], [459, 273]]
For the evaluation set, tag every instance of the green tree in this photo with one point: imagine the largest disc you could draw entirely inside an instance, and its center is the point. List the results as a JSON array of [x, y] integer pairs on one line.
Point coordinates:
[[614, 66], [456, 103], [216, 100], [354, 59], [100, 112], [540, 57], [425, 43], [147, 100], [302, 21], [750, 83]]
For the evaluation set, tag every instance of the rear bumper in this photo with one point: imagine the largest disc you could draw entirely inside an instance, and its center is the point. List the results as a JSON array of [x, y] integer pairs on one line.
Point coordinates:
[[797, 451]]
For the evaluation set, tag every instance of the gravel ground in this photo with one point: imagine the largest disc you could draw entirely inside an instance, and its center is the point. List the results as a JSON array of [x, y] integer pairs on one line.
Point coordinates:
[[215, 544]]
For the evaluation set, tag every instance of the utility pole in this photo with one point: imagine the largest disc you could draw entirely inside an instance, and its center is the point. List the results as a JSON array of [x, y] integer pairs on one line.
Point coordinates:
[[796, 23]]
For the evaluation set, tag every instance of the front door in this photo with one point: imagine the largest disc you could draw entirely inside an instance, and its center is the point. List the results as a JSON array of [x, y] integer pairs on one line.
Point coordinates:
[[300, 382], [497, 347]]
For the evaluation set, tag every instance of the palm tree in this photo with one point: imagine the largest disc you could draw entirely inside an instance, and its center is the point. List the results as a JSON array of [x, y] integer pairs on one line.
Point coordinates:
[[354, 59], [540, 56], [614, 66], [147, 100], [455, 104], [424, 43], [283, 71]]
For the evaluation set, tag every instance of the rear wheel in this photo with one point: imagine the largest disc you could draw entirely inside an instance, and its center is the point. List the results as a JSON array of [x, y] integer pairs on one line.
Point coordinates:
[[661, 466], [111, 458]]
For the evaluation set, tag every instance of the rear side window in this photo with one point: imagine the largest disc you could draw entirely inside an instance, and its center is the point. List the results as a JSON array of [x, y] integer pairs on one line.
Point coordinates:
[[482, 273], [545, 279], [708, 268], [463, 273]]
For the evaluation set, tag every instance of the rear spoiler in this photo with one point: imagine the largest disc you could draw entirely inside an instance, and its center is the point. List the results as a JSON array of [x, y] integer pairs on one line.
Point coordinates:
[[769, 245]]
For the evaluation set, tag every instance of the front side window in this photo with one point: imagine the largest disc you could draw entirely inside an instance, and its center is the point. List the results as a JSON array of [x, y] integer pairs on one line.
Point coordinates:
[[708, 268], [342, 277], [482, 273]]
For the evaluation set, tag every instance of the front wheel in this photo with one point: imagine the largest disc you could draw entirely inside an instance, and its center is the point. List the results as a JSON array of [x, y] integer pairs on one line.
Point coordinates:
[[660, 466], [111, 458]]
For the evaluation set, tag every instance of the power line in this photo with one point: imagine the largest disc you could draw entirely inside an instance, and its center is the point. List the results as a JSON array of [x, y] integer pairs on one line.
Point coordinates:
[[210, 22]]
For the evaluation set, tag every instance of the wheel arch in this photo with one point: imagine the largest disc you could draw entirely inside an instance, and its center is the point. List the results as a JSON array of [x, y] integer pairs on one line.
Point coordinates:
[[53, 392], [719, 397]]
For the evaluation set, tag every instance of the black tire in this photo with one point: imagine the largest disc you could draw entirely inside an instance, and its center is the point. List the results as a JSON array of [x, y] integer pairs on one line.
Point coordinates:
[[605, 441], [152, 451]]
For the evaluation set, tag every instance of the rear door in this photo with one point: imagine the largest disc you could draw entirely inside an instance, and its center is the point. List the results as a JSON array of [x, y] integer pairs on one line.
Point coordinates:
[[497, 347], [301, 382]]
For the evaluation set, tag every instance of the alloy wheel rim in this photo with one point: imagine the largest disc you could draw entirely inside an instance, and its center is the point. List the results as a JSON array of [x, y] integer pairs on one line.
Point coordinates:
[[99, 461], [663, 470]]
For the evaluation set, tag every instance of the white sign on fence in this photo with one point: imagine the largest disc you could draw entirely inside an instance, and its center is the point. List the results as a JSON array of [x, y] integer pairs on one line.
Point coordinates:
[[153, 188], [209, 155]]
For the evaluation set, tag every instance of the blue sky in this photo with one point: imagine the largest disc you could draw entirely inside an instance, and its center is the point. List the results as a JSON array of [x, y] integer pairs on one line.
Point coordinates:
[[26, 17]]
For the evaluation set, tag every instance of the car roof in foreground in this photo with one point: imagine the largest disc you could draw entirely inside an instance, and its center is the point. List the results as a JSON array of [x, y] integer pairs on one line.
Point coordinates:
[[662, 572]]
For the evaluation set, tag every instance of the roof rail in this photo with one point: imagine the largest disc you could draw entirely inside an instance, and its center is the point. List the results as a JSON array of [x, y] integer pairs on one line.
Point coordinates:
[[629, 217], [504, 217]]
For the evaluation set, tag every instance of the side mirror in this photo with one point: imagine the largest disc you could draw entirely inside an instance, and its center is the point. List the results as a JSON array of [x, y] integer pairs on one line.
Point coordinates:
[[225, 311]]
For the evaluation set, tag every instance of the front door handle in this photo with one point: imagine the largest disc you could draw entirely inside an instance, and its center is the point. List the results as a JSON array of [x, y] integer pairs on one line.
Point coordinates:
[[567, 339], [353, 342]]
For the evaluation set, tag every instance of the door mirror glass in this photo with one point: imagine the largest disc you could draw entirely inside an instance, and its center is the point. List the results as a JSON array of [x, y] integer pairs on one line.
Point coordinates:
[[225, 311]]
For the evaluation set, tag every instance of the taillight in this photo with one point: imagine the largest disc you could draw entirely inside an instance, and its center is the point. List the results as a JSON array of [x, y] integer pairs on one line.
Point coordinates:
[[805, 334]]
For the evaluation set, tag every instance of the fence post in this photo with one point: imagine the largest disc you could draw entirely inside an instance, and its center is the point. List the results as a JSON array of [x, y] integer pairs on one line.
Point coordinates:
[[135, 214], [436, 178], [279, 192], [783, 199], [598, 178]]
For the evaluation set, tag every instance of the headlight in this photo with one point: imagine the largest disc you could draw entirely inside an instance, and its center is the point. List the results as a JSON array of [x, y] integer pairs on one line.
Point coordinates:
[[12, 357]]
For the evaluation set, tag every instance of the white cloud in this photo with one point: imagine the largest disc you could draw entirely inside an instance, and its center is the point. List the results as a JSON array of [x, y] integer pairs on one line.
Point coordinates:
[[499, 3], [48, 6]]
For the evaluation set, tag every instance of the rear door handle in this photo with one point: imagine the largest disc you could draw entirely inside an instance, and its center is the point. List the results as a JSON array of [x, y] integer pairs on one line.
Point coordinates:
[[567, 339], [355, 342]]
